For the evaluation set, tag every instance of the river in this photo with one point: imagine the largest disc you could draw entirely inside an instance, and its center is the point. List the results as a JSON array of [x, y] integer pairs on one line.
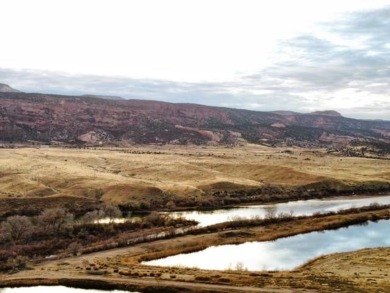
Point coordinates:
[[297, 208], [284, 253]]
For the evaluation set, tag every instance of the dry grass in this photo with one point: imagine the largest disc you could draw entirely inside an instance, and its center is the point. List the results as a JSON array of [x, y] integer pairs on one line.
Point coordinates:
[[367, 269], [126, 175]]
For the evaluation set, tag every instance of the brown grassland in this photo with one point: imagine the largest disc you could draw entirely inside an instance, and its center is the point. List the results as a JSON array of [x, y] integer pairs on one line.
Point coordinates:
[[177, 177], [151, 177]]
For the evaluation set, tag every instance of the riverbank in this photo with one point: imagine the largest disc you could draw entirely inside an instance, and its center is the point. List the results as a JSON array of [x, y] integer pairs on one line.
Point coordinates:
[[121, 268]]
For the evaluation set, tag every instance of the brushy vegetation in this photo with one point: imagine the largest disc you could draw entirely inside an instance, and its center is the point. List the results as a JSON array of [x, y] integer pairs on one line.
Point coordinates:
[[269, 193], [57, 231]]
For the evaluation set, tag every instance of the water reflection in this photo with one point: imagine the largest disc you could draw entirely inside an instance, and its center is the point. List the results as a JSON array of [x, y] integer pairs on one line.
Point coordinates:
[[132, 219], [57, 289], [284, 253], [298, 208]]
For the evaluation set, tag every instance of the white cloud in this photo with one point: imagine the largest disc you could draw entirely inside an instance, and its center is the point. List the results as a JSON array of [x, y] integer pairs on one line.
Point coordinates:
[[172, 39], [295, 55]]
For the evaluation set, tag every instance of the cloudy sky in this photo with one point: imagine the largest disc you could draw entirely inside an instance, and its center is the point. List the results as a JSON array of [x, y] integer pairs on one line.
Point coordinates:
[[299, 55]]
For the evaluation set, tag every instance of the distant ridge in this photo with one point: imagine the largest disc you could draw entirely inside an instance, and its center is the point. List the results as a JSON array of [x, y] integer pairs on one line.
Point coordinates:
[[5, 88], [108, 120], [114, 98], [327, 113]]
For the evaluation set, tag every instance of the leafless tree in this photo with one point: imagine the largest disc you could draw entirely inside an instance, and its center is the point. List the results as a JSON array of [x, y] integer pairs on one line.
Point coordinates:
[[16, 228], [112, 212], [107, 211], [270, 212], [55, 220]]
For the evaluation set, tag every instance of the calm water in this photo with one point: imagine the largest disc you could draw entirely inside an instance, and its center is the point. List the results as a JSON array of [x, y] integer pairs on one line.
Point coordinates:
[[285, 253], [56, 289], [298, 208]]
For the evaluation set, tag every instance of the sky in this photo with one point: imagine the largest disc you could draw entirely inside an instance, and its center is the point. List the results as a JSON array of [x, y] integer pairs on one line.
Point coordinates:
[[299, 55]]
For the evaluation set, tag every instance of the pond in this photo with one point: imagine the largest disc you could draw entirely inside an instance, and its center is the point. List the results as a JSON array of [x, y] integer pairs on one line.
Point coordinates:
[[56, 289], [298, 208], [285, 253]]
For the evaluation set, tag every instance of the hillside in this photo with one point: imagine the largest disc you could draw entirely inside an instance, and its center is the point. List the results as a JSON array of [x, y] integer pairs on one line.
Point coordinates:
[[5, 88], [43, 118]]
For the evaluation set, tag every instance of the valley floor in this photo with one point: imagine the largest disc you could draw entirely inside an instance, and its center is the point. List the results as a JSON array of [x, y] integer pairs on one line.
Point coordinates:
[[183, 177]]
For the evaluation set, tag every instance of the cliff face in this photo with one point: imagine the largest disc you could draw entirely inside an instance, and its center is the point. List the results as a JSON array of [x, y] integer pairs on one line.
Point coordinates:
[[85, 119]]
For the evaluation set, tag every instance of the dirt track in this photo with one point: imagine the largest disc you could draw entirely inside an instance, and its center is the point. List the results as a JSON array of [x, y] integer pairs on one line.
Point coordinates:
[[142, 284]]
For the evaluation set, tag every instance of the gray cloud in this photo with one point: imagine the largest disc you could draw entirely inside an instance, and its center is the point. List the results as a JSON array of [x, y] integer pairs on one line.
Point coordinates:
[[348, 72], [358, 61], [372, 24], [67, 84]]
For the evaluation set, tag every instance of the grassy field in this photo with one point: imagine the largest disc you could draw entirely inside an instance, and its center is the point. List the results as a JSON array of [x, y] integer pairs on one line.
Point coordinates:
[[151, 177]]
